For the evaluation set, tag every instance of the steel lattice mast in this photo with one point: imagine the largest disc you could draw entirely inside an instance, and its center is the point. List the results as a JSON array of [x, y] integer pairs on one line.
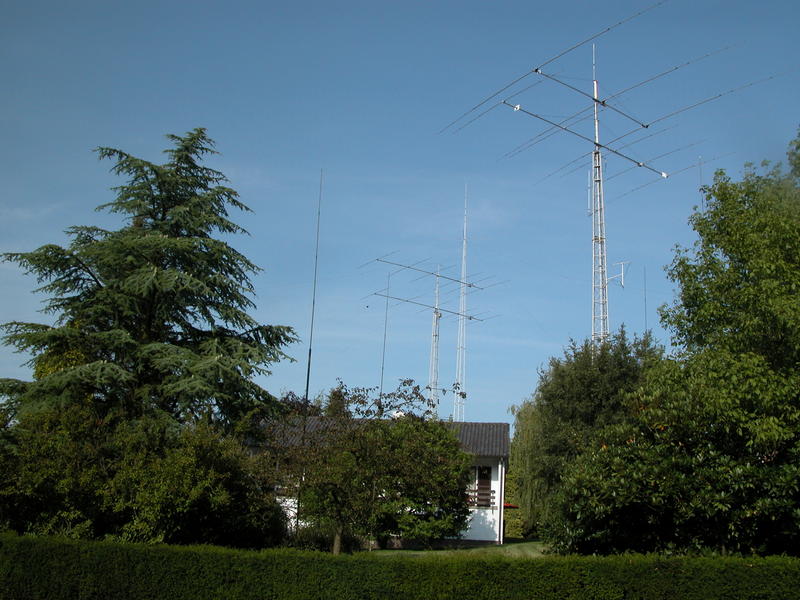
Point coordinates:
[[461, 348], [599, 270], [433, 371]]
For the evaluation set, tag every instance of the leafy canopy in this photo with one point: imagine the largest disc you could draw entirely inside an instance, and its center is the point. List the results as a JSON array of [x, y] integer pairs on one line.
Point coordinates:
[[376, 466], [578, 393], [710, 457]]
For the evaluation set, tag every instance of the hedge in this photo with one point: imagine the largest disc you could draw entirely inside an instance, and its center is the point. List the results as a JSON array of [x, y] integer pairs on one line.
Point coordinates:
[[54, 569]]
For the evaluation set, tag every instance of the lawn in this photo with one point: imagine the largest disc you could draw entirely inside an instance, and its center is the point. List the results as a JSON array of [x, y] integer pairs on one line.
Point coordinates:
[[519, 549]]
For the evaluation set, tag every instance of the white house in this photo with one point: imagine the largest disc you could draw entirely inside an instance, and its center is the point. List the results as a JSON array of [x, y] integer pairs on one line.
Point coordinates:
[[488, 443]]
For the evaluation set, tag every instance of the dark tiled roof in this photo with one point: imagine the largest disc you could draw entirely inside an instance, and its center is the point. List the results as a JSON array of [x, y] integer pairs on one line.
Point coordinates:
[[482, 439], [478, 439]]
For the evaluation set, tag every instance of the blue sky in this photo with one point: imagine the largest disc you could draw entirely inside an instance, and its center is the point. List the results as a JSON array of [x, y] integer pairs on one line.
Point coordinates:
[[360, 89]]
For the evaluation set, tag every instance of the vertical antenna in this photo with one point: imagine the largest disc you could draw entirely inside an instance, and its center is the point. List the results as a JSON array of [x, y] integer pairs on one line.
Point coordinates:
[[314, 292], [385, 328], [460, 393], [645, 298], [599, 272], [700, 169], [433, 372]]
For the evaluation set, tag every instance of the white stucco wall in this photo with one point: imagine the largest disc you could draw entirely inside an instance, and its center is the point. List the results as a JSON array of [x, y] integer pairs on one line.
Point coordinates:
[[486, 523]]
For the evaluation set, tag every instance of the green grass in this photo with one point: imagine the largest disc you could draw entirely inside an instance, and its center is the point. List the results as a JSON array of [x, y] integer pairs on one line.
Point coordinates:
[[517, 549]]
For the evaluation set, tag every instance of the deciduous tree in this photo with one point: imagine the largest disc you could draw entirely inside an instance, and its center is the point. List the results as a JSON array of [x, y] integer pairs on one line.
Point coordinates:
[[577, 395], [376, 466], [710, 459]]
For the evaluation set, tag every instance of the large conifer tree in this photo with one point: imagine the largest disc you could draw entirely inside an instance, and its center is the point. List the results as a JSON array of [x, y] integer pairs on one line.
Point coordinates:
[[152, 317]]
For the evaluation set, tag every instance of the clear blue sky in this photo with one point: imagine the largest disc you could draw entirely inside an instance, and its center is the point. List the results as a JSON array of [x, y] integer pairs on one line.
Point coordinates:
[[360, 89]]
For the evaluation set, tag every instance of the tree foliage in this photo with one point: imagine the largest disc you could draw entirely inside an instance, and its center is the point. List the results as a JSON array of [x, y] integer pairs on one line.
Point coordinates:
[[130, 428], [738, 285], [577, 394], [376, 466], [710, 458], [153, 316], [146, 480]]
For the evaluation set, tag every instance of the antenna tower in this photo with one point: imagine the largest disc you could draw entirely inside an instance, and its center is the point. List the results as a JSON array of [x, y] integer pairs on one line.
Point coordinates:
[[599, 270], [461, 348], [438, 312], [433, 371]]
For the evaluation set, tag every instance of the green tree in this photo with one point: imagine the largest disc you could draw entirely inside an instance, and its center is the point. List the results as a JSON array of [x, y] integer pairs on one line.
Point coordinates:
[[577, 394], [738, 285], [153, 316], [710, 459], [131, 426], [380, 466], [144, 480]]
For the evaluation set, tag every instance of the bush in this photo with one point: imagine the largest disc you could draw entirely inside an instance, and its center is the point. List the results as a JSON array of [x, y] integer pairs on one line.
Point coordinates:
[[66, 569]]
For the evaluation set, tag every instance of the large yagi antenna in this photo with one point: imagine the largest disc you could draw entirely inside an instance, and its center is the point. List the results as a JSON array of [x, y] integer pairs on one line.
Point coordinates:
[[518, 108], [547, 62], [604, 103], [600, 279], [575, 163], [585, 113]]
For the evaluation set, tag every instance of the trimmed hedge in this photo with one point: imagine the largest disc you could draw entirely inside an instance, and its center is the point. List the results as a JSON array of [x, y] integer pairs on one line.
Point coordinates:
[[54, 569]]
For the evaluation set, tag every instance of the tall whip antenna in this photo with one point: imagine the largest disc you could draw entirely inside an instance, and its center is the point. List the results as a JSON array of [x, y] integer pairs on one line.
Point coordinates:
[[385, 330], [461, 350], [314, 292]]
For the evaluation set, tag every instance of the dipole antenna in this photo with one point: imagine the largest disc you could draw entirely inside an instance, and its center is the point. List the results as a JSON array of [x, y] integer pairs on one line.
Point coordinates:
[[461, 348], [433, 371], [599, 270]]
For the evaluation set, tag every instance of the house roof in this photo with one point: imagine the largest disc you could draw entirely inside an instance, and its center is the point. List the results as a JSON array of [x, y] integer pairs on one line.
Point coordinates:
[[482, 439], [478, 439]]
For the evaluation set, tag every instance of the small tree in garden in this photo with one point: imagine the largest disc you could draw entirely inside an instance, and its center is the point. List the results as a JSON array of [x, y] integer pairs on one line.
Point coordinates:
[[376, 466]]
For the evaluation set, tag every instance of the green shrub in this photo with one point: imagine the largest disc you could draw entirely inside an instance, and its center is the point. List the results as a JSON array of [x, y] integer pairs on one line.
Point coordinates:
[[56, 569]]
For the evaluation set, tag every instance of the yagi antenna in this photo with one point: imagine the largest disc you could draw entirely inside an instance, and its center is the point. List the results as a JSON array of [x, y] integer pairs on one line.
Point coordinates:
[[547, 62], [433, 374], [518, 108], [585, 113], [600, 279], [435, 274]]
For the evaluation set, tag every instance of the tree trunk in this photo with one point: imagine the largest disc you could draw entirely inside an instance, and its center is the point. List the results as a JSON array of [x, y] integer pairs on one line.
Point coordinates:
[[337, 541]]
